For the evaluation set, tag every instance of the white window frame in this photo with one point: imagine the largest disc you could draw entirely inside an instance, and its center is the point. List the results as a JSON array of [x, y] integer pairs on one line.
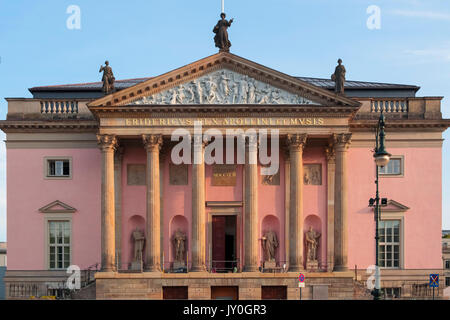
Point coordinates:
[[47, 168], [392, 175], [56, 218], [386, 216]]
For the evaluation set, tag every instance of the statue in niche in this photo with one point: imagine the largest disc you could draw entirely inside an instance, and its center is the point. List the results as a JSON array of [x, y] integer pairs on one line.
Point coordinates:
[[312, 241], [339, 78], [108, 78], [270, 243], [139, 239], [221, 38], [179, 243]]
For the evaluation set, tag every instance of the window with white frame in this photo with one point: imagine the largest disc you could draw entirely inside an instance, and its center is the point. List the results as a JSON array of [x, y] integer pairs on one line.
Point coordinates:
[[389, 243], [58, 168], [59, 244], [393, 168]]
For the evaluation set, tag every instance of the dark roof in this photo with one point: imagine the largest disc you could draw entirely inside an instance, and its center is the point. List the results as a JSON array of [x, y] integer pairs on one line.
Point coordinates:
[[323, 83]]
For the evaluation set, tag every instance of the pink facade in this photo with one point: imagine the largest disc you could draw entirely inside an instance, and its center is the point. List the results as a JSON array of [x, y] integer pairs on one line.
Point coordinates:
[[28, 191], [26, 223]]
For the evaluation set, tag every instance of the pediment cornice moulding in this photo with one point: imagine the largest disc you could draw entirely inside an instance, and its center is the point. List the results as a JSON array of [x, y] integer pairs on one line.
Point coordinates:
[[218, 61]]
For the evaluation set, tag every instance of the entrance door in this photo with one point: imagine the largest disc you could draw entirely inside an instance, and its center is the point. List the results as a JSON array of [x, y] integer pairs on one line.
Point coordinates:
[[273, 292], [224, 293], [223, 243]]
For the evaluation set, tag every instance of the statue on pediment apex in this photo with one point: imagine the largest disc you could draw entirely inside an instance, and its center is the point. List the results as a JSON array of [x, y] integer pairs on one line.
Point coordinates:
[[221, 38]]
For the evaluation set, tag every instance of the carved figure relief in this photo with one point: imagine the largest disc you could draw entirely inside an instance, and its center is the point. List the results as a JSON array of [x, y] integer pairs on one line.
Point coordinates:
[[224, 87], [312, 174]]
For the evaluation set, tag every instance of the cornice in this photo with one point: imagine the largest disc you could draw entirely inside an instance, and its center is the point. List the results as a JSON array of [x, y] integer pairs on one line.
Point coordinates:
[[441, 124], [42, 125], [216, 62]]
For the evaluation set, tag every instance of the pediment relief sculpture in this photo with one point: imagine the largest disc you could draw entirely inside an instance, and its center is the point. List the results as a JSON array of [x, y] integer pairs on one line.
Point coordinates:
[[224, 87]]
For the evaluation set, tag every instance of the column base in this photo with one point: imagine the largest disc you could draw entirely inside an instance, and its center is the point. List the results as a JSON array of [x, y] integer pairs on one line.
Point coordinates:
[[340, 268], [296, 268], [153, 269], [250, 269], [200, 268], [108, 269]]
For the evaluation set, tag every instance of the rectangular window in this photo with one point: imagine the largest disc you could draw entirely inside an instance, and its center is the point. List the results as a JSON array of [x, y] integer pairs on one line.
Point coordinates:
[[393, 168], [389, 243], [59, 244], [58, 168], [447, 264], [447, 281]]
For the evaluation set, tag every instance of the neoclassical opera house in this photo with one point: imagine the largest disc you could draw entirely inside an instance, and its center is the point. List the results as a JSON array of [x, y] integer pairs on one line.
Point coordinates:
[[92, 182]]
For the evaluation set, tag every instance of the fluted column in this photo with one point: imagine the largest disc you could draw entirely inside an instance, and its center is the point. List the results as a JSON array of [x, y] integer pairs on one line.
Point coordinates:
[[251, 205], [331, 173], [198, 206], [296, 143], [108, 144], [153, 144], [341, 142]]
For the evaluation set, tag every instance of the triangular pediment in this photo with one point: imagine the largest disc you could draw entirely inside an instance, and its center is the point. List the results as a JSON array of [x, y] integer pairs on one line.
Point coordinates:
[[394, 206], [225, 79], [57, 207]]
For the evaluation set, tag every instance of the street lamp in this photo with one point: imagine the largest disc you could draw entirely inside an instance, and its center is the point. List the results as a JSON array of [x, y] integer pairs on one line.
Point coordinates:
[[382, 158]]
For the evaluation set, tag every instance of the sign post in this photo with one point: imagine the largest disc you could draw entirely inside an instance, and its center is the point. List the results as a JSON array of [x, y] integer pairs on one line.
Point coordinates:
[[434, 282], [301, 283]]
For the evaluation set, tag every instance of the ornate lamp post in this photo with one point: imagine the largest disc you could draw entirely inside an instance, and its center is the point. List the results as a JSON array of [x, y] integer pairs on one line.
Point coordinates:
[[382, 158]]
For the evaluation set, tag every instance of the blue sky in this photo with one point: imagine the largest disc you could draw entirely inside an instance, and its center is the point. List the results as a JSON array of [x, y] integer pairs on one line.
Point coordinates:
[[299, 37]]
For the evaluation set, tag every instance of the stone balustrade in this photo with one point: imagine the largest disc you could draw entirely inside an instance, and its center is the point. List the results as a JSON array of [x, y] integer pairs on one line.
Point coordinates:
[[389, 105]]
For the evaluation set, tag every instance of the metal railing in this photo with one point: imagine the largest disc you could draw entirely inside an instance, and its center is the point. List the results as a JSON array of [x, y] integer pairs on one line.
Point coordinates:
[[225, 266]]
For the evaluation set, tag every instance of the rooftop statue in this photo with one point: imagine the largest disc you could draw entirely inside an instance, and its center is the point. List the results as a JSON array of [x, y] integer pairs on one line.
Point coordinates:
[[107, 79], [221, 38], [339, 78]]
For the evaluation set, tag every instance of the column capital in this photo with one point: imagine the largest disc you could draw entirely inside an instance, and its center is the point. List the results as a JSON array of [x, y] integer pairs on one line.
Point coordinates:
[[152, 141], [296, 142], [342, 141], [107, 142], [330, 152], [197, 141]]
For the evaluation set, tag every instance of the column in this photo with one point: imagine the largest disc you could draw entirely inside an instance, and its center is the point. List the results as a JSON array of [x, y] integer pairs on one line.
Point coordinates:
[[287, 186], [331, 172], [198, 206], [118, 157], [342, 142], [296, 143], [108, 144], [153, 144], [251, 205]]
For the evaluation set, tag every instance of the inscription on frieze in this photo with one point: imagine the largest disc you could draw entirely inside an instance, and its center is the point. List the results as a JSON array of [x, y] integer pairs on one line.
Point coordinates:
[[224, 175], [136, 174], [178, 174], [312, 174]]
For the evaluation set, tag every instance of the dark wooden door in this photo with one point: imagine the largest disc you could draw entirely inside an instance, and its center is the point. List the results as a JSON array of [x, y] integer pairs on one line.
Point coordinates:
[[218, 242], [224, 293], [175, 293], [273, 292]]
